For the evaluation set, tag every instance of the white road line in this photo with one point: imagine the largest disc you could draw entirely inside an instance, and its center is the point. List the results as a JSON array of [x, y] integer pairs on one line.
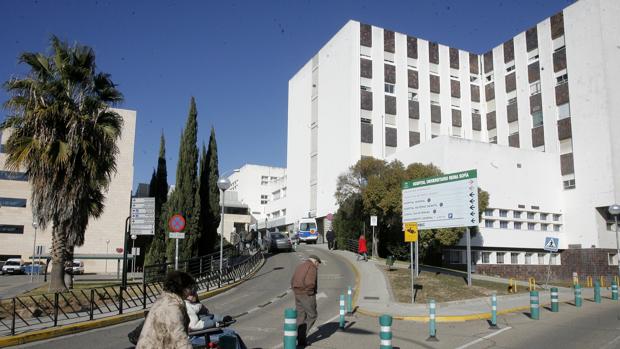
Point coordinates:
[[612, 344], [484, 338]]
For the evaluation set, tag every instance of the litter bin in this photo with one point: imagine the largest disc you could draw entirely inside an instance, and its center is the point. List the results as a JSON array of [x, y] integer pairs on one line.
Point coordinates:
[[389, 262]]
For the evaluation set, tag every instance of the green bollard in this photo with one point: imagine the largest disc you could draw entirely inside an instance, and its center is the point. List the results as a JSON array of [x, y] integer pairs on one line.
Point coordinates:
[[555, 305], [614, 291], [290, 328], [597, 292], [349, 301], [534, 305], [493, 312], [432, 328], [341, 322], [385, 321], [578, 296]]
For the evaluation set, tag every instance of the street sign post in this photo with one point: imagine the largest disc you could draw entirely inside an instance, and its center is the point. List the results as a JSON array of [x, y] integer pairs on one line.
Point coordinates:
[[552, 244], [446, 201], [411, 236], [176, 223], [373, 224], [142, 216]]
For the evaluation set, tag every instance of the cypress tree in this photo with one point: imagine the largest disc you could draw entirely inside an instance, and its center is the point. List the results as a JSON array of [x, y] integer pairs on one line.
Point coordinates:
[[158, 189], [209, 197], [183, 198]]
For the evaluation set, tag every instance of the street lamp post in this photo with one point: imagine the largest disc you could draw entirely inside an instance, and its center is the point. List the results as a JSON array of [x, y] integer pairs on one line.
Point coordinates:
[[107, 245], [223, 184], [35, 225], [614, 210]]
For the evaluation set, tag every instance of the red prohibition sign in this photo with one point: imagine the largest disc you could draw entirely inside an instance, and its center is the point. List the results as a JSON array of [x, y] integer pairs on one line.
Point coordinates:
[[176, 223]]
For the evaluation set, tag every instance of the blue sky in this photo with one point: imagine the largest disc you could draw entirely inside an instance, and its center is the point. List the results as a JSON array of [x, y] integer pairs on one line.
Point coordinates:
[[234, 57]]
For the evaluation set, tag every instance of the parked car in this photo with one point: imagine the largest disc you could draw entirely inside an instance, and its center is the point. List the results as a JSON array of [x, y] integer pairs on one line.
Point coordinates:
[[12, 266], [75, 268], [276, 241], [38, 268]]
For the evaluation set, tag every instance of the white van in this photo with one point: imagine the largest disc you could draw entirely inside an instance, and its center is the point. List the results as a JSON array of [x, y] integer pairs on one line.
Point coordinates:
[[12, 266], [307, 230]]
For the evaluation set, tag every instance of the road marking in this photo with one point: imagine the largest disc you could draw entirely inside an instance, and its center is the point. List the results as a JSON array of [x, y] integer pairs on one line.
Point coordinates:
[[612, 344], [484, 338], [321, 295]]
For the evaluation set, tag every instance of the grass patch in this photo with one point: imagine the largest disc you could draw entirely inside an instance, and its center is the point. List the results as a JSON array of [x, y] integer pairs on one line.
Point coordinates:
[[44, 289], [441, 287]]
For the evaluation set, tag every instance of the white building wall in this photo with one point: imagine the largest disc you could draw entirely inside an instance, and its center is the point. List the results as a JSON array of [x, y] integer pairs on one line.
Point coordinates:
[[249, 184]]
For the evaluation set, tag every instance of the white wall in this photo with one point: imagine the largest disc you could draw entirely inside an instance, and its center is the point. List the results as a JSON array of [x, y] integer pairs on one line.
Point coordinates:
[[247, 183]]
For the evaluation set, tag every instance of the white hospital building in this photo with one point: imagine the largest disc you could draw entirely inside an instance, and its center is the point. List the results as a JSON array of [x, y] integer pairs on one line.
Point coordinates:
[[537, 115]]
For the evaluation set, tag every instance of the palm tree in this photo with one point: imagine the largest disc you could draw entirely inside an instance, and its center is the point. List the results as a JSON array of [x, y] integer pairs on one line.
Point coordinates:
[[64, 135]]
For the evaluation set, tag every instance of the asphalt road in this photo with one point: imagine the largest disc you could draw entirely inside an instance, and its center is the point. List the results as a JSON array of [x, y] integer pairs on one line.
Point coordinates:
[[258, 304]]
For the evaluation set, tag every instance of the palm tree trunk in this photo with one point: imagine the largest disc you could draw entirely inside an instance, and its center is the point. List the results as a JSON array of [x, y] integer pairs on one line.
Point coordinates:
[[59, 239]]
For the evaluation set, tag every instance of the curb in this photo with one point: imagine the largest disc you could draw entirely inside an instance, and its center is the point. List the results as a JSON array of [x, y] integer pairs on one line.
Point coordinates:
[[54, 332], [438, 318]]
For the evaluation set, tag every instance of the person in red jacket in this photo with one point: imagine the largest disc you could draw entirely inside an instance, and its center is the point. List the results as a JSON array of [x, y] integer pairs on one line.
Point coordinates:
[[362, 250]]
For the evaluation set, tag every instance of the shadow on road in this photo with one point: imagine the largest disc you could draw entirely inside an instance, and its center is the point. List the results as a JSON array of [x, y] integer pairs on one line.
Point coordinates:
[[327, 330], [256, 276]]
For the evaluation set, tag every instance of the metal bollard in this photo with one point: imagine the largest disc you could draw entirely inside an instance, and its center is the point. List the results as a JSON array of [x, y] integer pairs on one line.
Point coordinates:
[[534, 305], [614, 291], [349, 301], [341, 322], [597, 292], [432, 328], [555, 305], [578, 296], [493, 312], [290, 328], [385, 321]]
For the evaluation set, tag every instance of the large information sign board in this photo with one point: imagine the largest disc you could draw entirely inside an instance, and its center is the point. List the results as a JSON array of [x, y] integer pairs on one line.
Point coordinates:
[[142, 216], [445, 201]]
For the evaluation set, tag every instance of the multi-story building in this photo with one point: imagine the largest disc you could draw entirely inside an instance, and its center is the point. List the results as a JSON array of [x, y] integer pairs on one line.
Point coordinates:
[[104, 236], [535, 115], [263, 190]]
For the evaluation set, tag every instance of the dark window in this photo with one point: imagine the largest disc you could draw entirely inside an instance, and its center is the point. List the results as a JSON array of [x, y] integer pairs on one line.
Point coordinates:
[[454, 58], [14, 176], [491, 122], [455, 88], [390, 105], [414, 109], [456, 118], [473, 64], [414, 138], [489, 91], [11, 229], [412, 77], [512, 111], [531, 39], [389, 73], [488, 61], [511, 82], [366, 35], [557, 25], [509, 51], [390, 137], [559, 59], [566, 164], [564, 129], [236, 210], [12, 202], [561, 94], [435, 113], [538, 136], [388, 41], [533, 72], [366, 68], [434, 83], [475, 93], [412, 47], [366, 133], [476, 122], [513, 140], [366, 100], [433, 52]]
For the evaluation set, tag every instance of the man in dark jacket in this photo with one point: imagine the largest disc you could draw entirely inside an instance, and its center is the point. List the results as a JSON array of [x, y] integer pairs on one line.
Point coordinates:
[[330, 239], [304, 285]]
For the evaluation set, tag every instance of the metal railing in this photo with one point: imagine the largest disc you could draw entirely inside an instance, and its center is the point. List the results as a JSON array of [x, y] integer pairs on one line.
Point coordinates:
[[27, 313], [352, 245]]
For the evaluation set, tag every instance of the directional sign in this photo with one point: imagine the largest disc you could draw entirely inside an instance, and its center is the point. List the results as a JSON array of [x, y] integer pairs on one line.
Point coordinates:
[[445, 201], [373, 221], [142, 216], [551, 244], [411, 232], [175, 235]]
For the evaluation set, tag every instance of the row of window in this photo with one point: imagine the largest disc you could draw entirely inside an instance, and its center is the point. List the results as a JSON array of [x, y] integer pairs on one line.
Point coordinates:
[[14, 176], [489, 223], [519, 214], [12, 202], [502, 257]]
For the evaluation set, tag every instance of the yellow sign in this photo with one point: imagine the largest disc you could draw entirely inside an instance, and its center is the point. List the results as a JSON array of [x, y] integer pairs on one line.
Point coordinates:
[[411, 232]]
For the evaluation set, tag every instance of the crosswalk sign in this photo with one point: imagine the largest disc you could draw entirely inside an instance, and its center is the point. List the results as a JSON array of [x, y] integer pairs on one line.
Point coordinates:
[[411, 232], [551, 244]]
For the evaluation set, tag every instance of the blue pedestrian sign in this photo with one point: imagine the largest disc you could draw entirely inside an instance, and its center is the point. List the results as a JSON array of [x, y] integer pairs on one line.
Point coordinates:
[[551, 244]]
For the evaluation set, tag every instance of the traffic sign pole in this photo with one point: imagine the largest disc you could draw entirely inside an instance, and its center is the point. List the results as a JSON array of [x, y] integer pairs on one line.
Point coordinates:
[[412, 293], [176, 254], [468, 259]]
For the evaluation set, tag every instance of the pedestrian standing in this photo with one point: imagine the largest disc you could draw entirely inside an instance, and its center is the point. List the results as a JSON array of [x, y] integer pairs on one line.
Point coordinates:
[[362, 250], [330, 239], [304, 285]]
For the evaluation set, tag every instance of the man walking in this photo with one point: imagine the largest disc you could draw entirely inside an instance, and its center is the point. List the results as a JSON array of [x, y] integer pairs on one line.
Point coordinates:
[[304, 285], [330, 239]]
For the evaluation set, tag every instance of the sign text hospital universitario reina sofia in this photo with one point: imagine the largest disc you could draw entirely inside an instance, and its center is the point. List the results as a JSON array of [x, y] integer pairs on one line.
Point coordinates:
[[445, 201]]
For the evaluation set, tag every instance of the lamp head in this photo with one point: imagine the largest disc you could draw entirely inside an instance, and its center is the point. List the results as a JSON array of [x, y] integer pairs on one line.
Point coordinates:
[[614, 209], [223, 184]]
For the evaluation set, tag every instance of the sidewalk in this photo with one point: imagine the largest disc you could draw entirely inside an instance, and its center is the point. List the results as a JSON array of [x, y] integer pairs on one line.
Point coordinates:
[[374, 298]]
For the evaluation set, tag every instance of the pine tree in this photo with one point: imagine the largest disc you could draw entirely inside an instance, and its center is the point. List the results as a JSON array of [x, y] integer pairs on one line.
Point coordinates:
[[158, 189], [186, 186], [209, 197]]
